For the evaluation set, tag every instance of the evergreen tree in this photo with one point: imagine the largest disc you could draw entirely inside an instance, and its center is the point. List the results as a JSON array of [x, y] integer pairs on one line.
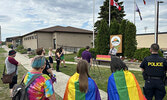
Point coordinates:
[[115, 13], [130, 40], [114, 27], [122, 31], [102, 43]]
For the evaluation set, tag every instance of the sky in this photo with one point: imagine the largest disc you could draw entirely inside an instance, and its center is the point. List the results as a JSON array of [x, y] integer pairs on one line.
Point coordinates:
[[18, 17]]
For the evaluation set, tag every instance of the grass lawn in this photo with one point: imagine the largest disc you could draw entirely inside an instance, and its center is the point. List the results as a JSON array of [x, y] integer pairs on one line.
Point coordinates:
[[102, 80], [4, 88]]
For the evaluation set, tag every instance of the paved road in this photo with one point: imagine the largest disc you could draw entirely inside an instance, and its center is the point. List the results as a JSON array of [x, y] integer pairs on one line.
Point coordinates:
[[62, 78]]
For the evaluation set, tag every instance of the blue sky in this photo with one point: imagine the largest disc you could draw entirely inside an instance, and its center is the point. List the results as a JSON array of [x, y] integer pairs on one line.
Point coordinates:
[[18, 17]]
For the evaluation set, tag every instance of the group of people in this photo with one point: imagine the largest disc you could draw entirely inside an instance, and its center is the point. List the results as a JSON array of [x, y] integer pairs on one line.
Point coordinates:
[[122, 84]]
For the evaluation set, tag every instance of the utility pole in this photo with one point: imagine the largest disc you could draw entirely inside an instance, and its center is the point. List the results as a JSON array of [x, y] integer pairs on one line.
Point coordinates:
[[157, 21]]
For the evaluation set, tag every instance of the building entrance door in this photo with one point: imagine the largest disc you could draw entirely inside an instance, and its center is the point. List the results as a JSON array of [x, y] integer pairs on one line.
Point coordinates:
[[54, 43]]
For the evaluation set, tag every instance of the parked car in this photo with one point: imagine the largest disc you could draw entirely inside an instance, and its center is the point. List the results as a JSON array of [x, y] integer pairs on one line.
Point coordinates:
[[165, 54]]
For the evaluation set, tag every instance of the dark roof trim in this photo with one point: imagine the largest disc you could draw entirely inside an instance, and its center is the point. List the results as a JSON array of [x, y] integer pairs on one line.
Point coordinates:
[[14, 37], [151, 33], [62, 29]]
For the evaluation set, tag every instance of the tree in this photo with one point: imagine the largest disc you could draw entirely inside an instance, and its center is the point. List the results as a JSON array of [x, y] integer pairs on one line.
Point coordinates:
[[115, 13], [114, 27], [122, 31], [102, 43], [130, 40]]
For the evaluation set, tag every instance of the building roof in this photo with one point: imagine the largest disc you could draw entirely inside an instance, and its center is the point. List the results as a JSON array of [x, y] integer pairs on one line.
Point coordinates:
[[67, 29], [14, 37]]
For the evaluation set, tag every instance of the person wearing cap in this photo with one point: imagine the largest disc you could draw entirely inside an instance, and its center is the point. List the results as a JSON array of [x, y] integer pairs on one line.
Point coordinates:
[[11, 66], [41, 88]]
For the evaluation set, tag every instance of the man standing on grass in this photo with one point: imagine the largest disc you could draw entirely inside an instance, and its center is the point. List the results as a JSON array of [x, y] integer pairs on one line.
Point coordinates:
[[86, 55], [154, 70], [11, 66]]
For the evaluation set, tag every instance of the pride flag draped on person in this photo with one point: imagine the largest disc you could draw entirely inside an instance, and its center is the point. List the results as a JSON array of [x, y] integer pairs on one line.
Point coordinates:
[[72, 91], [122, 85]]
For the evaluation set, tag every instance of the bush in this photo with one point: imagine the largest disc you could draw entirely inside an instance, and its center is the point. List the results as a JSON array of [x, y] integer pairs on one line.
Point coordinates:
[[80, 52], [23, 51], [91, 50], [10, 45], [140, 54]]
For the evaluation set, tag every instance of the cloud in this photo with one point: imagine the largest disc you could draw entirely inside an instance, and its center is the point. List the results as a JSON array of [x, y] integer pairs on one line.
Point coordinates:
[[23, 16]]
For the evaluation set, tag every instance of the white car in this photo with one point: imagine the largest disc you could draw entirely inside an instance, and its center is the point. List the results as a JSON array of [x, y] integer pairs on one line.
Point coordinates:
[[165, 54]]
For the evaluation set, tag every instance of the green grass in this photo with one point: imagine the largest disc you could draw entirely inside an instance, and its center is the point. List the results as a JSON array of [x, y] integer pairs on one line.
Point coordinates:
[[4, 88], [102, 80], [70, 57]]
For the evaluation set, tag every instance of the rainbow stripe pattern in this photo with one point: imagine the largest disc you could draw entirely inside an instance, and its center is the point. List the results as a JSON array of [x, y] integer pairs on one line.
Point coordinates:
[[122, 85], [72, 91], [103, 57]]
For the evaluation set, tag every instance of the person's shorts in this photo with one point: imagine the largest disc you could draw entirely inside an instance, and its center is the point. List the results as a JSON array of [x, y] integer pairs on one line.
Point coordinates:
[[62, 57], [14, 81], [50, 60]]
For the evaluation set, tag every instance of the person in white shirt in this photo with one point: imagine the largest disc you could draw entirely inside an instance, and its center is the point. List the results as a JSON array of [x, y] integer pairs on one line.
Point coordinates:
[[113, 51]]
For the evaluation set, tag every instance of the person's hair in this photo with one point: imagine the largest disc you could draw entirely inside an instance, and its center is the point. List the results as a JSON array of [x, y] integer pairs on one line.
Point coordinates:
[[38, 62], [87, 47], [82, 69], [50, 48], [39, 51], [57, 50], [154, 47], [117, 64]]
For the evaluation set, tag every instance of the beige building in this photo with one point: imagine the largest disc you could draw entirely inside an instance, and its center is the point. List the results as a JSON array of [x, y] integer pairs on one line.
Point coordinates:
[[72, 39], [145, 40], [15, 41]]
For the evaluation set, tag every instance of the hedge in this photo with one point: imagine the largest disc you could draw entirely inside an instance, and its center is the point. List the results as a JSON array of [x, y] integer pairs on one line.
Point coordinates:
[[140, 54]]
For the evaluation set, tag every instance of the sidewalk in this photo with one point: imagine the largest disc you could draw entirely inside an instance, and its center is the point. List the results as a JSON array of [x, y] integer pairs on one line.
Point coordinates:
[[62, 78]]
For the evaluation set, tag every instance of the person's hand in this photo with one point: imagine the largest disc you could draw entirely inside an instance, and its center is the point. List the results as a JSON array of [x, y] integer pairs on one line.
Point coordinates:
[[19, 64]]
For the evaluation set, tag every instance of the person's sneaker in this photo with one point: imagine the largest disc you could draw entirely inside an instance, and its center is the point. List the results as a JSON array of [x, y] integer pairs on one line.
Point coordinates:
[[65, 66], [58, 71]]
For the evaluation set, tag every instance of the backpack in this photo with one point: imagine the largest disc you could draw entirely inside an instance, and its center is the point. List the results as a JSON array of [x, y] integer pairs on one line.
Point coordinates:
[[19, 90]]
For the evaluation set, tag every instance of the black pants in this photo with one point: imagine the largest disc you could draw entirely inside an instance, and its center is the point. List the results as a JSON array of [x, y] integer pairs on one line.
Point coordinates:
[[154, 87], [57, 66], [14, 81]]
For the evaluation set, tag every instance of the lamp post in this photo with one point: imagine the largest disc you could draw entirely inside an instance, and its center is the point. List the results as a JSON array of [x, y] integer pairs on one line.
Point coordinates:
[[156, 34]]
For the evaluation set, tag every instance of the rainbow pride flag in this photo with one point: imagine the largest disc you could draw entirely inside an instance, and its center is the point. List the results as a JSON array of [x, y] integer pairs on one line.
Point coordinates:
[[103, 57], [122, 85], [72, 91]]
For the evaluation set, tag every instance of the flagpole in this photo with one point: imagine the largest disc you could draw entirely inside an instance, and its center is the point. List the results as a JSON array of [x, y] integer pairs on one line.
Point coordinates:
[[109, 11], [134, 11], [155, 21], [93, 23]]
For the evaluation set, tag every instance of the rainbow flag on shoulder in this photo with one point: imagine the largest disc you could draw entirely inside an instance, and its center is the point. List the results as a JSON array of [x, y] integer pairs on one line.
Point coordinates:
[[72, 91], [122, 85]]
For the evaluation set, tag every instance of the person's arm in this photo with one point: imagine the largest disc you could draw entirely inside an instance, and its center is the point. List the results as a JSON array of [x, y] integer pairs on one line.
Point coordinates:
[[13, 61], [50, 71], [91, 61], [110, 52]]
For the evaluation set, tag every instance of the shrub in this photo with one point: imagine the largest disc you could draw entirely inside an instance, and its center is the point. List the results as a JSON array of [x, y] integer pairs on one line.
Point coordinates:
[[9, 46], [80, 52], [93, 52], [140, 54], [23, 51]]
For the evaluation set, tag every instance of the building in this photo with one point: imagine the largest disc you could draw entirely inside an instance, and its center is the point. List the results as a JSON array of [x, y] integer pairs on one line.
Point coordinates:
[[15, 41], [71, 38], [145, 40]]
